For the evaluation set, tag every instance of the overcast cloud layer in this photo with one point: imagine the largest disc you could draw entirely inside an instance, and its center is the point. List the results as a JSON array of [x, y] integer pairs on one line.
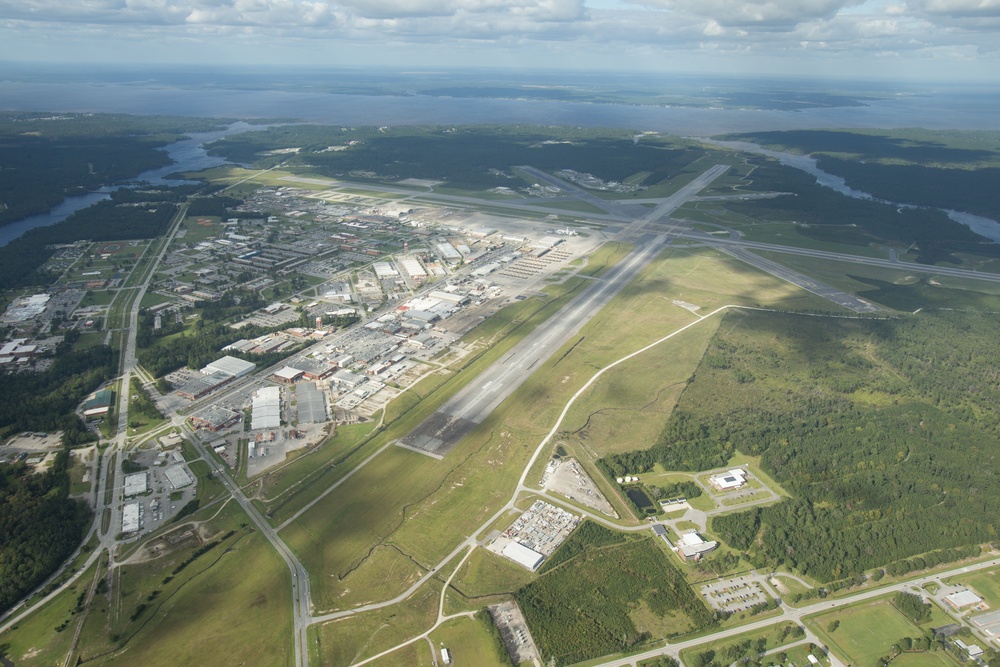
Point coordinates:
[[931, 39]]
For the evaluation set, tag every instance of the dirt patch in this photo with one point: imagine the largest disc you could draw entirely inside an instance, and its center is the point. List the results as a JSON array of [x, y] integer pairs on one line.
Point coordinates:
[[568, 478]]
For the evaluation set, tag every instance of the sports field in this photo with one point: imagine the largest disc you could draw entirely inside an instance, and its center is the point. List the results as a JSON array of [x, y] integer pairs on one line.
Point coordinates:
[[865, 632]]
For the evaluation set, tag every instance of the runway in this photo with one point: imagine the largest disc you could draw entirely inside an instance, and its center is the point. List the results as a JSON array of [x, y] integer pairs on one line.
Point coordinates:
[[440, 432]]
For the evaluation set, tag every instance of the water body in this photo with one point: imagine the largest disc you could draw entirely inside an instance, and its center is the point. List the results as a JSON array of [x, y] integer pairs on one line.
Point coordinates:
[[187, 154], [983, 226], [934, 110]]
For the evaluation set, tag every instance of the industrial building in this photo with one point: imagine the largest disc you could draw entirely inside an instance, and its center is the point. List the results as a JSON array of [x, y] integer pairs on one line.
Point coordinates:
[[100, 404], [202, 385], [135, 484], [178, 477], [130, 518], [691, 546], [523, 556], [311, 404], [266, 408], [287, 375], [215, 418], [230, 366], [314, 369], [962, 599]]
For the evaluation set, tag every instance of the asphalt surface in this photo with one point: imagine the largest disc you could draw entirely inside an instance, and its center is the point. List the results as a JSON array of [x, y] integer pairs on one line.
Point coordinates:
[[440, 432], [840, 297]]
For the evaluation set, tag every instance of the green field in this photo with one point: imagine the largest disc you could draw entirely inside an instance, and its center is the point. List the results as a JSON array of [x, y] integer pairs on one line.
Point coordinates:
[[348, 640], [865, 633], [230, 605], [468, 642]]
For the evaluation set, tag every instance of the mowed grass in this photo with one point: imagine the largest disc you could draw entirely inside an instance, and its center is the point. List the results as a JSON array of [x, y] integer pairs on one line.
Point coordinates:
[[36, 640], [347, 640], [206, 613], [468, 642], [935, 659], [866, 631], [900, 289]]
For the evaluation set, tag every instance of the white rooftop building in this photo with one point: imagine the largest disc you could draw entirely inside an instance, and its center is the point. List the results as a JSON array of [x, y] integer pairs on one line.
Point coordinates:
[[523, 556], [178, 477], [130, 518], [230, 366], [135, 484], [731, 479], [266, 408], [961, 599]]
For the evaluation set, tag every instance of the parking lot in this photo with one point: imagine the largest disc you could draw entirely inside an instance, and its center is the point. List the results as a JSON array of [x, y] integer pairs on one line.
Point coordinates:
[[735, 595]]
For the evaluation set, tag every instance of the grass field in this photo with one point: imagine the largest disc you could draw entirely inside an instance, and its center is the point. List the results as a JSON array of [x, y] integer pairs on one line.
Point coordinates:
[[44, 637], [433, 504], [468, 642], [899, 289], [486, 574], [230, 605], [866, 631], [348, 640]]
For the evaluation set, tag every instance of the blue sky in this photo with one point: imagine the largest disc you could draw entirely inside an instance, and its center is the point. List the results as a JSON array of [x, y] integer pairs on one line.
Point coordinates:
[[918, 40]]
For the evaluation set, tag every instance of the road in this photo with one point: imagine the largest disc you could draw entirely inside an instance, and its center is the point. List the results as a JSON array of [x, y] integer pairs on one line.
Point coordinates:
[[795, 614]]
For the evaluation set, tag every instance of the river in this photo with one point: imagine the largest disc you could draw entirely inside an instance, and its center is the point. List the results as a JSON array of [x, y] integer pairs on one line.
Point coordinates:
[[985, 227], [188, 154]]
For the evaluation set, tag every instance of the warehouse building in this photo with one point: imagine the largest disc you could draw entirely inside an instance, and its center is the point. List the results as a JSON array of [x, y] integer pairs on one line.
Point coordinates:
[[266, 408], [523, 556], [135, 484], [178, 477], [130, 518], [237, 368]]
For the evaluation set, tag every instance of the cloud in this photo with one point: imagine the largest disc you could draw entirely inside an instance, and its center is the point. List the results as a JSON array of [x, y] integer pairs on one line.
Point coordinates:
[[759, 13]]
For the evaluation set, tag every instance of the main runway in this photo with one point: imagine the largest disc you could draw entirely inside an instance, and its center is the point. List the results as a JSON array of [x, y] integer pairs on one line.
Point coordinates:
[[474, 402]]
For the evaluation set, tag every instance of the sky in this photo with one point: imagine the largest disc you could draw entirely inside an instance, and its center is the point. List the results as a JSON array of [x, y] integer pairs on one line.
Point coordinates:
[[905, 40]]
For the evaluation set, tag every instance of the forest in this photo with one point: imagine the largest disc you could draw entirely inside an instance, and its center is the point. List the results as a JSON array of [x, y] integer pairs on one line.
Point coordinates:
[[40, 526], [129, 214], [883, 431], [945, 170], [48, 157], [583, 607], [469, 157], [826, 215]]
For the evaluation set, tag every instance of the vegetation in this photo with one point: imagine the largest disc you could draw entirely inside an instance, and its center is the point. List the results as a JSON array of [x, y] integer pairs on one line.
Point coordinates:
[[825, 215], [877, 428], [945, 170], [588, 535], [129, 214], [40, 526], [45, 401], [499, 648], [912, 607], [609, 600], [469, 158], [748, 649], [69, 154]]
